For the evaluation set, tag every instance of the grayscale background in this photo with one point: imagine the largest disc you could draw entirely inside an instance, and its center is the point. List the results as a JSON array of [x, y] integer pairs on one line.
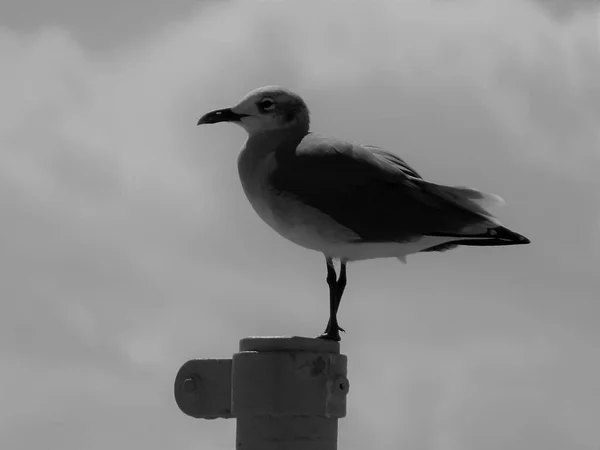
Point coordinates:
[[127, 245]]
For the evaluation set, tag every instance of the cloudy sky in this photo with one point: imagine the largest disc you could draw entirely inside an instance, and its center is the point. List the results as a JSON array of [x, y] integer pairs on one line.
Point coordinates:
[[128, 247]]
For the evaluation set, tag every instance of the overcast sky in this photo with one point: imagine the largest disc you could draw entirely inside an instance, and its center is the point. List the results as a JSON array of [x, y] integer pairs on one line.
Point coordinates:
[[128, 247]]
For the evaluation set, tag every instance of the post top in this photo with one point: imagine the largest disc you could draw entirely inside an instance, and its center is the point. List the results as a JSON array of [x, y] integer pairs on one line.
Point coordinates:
[[288, 343]]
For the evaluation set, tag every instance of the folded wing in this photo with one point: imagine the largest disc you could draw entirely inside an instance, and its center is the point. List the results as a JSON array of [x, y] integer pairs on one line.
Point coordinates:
[[378, 195]]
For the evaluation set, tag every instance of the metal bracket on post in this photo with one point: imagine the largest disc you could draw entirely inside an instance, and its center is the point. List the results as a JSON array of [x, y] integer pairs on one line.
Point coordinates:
[[287, 393]]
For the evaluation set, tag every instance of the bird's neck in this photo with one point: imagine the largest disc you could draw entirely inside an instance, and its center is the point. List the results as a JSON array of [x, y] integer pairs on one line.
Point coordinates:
[[270, 140]]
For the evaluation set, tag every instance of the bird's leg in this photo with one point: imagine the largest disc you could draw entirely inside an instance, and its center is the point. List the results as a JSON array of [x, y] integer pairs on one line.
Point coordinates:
[[333, 296], [332, 331], [341, 285]]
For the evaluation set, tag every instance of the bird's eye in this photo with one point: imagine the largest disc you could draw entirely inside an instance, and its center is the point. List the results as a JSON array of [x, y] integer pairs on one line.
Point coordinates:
[[266, 104]]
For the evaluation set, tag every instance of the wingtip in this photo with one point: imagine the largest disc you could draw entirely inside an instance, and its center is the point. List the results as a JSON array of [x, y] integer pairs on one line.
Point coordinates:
[[506, 234]]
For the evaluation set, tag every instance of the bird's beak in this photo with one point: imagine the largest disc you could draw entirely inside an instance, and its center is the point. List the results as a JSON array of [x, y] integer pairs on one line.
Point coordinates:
[[221, 115]]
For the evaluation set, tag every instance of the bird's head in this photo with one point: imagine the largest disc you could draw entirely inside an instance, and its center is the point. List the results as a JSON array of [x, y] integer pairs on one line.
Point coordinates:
[[264, 109]]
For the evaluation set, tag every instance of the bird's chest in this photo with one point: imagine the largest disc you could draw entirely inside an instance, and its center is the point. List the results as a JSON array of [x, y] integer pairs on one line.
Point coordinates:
[[292, 219], [254, 176]]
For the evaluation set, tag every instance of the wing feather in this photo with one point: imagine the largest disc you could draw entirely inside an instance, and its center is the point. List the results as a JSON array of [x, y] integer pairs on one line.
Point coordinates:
[[375, 193]]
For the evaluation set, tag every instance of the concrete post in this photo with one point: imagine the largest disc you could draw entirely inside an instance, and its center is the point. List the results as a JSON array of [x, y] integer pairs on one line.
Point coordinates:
[[286, 393]]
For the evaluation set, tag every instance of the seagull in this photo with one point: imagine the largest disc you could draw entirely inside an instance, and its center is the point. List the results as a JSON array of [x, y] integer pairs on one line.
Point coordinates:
[[349, 201]]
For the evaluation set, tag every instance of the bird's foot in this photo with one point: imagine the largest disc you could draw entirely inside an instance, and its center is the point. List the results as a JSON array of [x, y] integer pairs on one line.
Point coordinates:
[[332, 334]]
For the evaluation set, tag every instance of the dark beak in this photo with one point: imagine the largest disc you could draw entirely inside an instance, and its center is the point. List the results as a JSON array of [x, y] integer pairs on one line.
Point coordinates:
[[220, 115]]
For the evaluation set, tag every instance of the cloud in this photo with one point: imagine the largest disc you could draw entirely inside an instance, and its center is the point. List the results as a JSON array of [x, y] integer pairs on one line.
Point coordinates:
[[128, 247], [568, 8]]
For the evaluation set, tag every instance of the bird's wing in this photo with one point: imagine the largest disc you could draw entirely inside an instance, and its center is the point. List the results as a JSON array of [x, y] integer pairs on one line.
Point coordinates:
[[375, 193], [395, 160]]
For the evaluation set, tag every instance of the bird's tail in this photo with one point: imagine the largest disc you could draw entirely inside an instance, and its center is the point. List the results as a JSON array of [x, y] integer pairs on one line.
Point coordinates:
[[486, 232]]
